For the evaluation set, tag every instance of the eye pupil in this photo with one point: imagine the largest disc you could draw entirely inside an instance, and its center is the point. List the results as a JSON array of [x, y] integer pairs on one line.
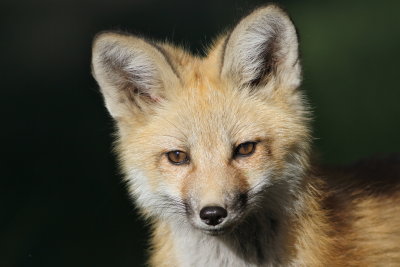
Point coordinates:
[[177, 157], [245, 149]]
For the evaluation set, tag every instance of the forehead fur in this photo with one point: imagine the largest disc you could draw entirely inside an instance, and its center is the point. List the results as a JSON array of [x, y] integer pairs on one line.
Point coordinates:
[[209, 115]]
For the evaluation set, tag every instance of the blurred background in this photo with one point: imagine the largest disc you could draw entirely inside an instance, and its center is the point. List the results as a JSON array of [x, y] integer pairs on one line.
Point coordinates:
[[62, 202]]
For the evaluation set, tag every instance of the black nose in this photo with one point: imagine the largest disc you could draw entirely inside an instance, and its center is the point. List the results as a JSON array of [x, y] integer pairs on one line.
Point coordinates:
[[213, 215]]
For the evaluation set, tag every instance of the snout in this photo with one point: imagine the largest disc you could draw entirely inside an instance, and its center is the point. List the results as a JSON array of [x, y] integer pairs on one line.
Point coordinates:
[[218, 218]]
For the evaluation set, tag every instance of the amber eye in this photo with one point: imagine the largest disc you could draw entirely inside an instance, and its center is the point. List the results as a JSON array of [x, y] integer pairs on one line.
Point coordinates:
[[245, 149], [177, 157]]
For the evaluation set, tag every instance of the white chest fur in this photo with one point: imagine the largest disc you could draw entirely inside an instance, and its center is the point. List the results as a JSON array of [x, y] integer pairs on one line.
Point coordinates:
[[243, 249]]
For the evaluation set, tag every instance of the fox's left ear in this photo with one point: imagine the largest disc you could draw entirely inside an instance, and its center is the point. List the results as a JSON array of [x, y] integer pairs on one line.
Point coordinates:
[[261, 49]]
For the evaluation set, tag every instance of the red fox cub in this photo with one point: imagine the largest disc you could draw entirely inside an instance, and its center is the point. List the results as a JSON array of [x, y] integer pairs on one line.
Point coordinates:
[[216, 154]]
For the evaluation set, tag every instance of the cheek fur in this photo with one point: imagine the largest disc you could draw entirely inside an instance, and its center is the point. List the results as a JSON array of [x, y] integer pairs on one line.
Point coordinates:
[[241, 180], [175, 176], [253, 168]]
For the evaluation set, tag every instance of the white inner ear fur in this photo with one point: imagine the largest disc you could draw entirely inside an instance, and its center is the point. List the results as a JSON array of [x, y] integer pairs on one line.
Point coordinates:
[[265, 36], [127, 68], [139, 69]]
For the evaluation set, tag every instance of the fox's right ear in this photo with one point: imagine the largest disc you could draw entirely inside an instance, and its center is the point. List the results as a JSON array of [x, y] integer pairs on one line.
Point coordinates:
[[133, 74]]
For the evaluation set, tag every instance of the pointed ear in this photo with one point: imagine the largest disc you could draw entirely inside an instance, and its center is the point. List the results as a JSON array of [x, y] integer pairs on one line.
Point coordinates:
[[261, 49], [133, 74]]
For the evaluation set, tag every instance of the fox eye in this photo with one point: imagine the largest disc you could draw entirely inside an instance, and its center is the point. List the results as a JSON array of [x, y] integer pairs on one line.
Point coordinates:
[[177, 157], [245, 149]]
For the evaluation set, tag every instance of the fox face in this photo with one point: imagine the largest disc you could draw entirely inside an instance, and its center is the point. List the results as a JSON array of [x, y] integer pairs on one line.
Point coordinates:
[[204, 141]]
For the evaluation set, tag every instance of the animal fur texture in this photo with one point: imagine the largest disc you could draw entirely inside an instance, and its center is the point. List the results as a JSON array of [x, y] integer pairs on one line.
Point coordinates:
[[216, 155]]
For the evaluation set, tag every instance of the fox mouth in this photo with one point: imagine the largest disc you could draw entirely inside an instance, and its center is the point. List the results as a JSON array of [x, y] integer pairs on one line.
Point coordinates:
[[226, 227], [216, 232]]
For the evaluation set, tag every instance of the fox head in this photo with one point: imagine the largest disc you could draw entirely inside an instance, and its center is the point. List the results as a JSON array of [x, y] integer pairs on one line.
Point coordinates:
[[209, 141]]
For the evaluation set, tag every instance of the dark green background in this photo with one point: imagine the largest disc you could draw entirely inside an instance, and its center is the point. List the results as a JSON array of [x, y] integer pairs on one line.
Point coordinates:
[[61, 199]]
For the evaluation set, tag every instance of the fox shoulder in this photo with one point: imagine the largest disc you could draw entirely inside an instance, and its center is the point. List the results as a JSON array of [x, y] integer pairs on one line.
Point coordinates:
[[363, 206]]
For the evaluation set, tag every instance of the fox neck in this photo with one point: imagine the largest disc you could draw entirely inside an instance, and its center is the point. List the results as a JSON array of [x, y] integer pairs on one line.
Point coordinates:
[[254, 243], [266, 238]]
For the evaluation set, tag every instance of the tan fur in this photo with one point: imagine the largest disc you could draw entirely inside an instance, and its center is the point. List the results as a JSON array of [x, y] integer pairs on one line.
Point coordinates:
[[246, 89], [162, 247]]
